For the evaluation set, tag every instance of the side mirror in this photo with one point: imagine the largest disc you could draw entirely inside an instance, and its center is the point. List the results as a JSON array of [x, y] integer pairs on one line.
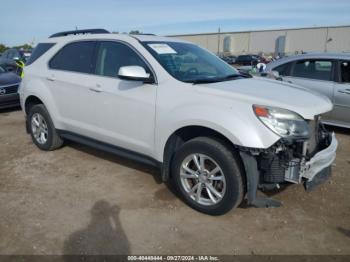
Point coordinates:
[[275, 75], [135, 73]]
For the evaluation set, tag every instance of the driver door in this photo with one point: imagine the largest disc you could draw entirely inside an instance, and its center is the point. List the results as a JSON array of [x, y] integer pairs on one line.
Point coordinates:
[[125, 109]]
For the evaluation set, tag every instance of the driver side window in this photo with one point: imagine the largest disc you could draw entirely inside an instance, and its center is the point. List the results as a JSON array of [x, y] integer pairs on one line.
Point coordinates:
[[113, 55]]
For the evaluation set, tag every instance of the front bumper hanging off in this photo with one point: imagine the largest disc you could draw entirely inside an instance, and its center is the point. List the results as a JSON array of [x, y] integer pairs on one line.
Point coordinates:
[[320, 161], [311, 172]]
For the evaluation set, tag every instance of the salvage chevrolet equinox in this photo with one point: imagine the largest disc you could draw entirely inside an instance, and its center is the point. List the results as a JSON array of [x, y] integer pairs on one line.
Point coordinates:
[[218, 136]]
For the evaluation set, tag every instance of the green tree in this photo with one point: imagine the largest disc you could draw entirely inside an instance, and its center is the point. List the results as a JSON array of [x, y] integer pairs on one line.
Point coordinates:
[[25, 47], [3, 48]]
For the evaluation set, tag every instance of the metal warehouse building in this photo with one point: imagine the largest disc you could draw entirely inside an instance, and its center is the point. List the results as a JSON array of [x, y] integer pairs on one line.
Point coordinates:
[[279, 41]]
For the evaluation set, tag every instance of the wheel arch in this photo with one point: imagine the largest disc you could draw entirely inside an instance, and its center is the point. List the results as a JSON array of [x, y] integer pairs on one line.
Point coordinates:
[[30, 101], [186, 133]]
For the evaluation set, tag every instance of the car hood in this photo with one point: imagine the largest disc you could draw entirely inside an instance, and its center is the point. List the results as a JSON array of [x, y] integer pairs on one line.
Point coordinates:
[[9, 78], [263, 91]]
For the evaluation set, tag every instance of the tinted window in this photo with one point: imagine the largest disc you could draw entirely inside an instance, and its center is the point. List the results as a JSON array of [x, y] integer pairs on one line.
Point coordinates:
[[244, 58], [75, 57], [112, 55], [345, 71], [283, 70], [5, 54], [11, 54], [15, 54], [38, 51], [313, 69]]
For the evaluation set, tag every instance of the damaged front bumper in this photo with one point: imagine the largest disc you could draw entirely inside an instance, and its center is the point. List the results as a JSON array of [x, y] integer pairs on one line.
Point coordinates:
[[320, 161], [317, 166], [305, 162]]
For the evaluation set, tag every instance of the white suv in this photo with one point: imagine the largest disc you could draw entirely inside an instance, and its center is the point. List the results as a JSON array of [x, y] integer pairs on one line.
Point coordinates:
[[218, 135]]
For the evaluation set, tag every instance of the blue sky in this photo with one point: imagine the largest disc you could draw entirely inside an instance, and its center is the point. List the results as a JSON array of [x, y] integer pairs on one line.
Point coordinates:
[[25, 21]]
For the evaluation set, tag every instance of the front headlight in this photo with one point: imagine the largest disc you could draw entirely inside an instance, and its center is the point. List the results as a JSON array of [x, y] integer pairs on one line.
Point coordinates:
[[283, 122]]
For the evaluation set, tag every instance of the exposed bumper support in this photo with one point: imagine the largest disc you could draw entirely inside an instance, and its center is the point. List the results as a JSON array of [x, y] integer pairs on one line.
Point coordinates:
[[253, 175], [313, 172]]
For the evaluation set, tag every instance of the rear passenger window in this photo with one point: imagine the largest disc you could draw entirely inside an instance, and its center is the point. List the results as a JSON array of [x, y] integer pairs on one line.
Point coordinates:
[[77, 57], [283, 70], [112, 55], [313, 69], [38, 51]]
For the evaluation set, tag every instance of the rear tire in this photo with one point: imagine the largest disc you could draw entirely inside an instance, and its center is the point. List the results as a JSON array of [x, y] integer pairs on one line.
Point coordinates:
[[212, 184], [42, 130]]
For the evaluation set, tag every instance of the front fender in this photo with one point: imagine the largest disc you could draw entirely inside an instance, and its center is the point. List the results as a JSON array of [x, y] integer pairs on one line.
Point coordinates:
[[236, 122]]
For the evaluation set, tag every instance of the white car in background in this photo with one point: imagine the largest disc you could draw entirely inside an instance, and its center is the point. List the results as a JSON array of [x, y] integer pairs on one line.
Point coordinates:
[[216, 134], [326, 73]]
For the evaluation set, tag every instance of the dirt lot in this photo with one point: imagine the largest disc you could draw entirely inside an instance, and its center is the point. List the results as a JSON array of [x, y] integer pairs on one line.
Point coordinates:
[[77, 200]]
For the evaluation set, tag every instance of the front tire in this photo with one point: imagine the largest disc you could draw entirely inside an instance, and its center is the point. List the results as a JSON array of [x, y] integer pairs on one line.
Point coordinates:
[[42, 130], [208, 176]]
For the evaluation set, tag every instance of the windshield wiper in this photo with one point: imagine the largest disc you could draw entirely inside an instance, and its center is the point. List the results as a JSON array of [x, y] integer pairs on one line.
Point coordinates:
[[214, 80], [204, 81], [233, 76]]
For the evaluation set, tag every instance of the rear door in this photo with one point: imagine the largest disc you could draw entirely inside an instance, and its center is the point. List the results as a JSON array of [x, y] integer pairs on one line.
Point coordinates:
[[71, 81], [341, 112]]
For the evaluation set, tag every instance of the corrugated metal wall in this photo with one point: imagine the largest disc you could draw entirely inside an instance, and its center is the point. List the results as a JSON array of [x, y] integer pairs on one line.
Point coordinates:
[[331, 39]]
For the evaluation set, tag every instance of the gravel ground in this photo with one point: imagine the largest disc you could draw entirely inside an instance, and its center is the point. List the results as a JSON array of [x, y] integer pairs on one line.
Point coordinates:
[[78, 200]]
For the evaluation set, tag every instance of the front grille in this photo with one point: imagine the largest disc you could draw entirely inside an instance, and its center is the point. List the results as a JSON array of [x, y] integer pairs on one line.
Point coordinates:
[[10, 89]]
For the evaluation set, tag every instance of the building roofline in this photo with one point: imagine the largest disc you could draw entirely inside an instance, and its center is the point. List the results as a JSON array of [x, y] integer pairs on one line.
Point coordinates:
[[263, 30]]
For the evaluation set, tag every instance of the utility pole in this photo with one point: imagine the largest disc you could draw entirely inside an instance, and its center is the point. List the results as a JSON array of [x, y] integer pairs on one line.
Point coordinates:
[[218, 41]]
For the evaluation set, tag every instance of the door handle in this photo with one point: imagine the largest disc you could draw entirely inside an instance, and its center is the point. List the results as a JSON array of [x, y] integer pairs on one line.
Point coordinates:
[[290, 82], [346, 91], [96, 89], [50, 78]]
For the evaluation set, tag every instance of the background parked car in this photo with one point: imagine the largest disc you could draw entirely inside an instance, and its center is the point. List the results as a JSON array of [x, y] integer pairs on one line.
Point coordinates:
[[325, 73], [247, 60], [231, 59], [9, 58], [9, 83]]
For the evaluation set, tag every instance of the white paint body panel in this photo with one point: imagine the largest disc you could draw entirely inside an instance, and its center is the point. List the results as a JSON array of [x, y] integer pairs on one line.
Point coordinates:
[[141, 117]]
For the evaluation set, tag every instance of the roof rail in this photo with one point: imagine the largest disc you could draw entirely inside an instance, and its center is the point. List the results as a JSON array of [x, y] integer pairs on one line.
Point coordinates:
[[81, 32]]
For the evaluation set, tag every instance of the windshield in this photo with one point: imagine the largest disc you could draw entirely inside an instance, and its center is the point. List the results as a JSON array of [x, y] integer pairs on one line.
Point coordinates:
[[190, 63]]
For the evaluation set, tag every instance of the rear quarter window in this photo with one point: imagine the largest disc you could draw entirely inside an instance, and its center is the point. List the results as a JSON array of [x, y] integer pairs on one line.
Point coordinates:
[[38, 51]]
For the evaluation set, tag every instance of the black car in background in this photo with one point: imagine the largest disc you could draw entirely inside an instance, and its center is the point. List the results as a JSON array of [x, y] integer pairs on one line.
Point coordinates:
[[9, 83], [247, 60], [9, 57], [231, 59]]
